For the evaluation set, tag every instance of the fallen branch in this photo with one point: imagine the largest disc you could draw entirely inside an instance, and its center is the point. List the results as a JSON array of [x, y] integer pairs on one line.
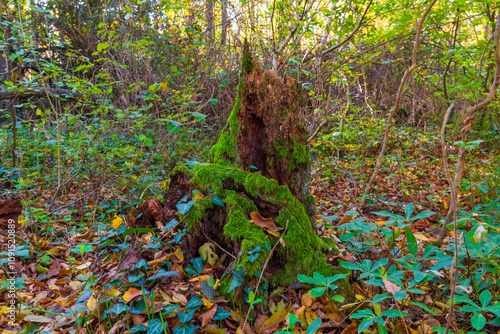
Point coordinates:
[[41, 92]]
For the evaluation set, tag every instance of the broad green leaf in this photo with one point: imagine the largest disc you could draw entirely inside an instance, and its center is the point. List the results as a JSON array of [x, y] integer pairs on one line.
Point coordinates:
[[478, 321], [409, 210], [306, 279], [318, 292], [423, 215], [485, 298], [411, 242]]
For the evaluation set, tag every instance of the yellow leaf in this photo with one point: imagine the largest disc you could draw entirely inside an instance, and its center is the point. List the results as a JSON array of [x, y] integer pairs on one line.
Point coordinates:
[[273, 233], [113, 293], [131, 294], [117, 221], [53, 251], [130, 164], [421, 236], [92, 303], [198, 196], [178, 254], [206, 302]]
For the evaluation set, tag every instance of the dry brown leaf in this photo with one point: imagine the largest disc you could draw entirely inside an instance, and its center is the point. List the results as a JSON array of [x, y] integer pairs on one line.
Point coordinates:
[[263, 222], [351, 329], [307, 300], [208, 315], [259, 322], [137, 319], [179, 298]]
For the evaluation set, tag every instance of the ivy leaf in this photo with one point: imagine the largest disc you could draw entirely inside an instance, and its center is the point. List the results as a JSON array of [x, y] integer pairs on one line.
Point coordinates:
[[184, 207], [155, 326], [221, 314], [186, 329]]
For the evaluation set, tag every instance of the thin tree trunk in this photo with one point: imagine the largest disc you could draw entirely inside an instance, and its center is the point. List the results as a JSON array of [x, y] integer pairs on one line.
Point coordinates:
[[224, 22], [209, 15]]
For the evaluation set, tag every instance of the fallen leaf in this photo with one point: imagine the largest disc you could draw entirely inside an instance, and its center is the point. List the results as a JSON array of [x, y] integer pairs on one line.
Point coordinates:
[[117, 221], [391, 287], [131, 294], [270, 325], [207, 316], [263, 222], [37, 319]]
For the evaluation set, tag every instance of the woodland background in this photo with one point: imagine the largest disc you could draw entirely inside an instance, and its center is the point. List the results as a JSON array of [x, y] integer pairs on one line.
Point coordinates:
[[101, 99]]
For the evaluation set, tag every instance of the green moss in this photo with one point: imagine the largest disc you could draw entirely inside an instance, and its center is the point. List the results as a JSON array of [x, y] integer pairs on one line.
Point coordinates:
[[181, 169], [297, 155]]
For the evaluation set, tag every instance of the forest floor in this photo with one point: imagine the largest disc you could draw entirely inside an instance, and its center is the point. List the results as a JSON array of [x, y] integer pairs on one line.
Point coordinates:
[[83, 268]]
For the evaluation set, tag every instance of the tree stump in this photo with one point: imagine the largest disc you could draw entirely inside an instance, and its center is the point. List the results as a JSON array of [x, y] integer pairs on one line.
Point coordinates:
[[256, 191]]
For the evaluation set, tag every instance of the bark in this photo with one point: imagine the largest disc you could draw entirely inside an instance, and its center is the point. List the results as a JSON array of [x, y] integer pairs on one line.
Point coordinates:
[[209, 15]]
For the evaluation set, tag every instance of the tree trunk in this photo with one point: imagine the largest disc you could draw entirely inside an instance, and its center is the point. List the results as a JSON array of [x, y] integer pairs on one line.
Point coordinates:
[[255, 192]]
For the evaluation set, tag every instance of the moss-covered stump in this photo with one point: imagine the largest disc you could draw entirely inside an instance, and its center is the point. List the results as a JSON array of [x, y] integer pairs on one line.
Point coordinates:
[[259, 165]]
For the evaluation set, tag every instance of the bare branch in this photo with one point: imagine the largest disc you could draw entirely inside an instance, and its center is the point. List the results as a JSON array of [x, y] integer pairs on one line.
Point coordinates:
[[41, 92]]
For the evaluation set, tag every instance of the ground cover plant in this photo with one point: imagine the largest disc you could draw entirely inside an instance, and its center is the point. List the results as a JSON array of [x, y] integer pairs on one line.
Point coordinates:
[[249, 167]]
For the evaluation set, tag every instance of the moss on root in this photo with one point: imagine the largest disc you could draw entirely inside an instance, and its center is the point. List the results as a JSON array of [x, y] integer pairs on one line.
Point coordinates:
[[303, 253]]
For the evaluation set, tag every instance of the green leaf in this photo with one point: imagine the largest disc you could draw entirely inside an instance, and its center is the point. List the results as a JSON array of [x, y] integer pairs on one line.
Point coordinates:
[[400, 295], [320, 278], [338, 298], [155, 326], [221, 314], [409, 210], [184, 207], [365, 325], [485, 298], [149, 142], [379, 298], [423, 215], [478, 321], [314, 326], [214, 101], [292, 320], [393, 314], [411, 242], [118, 308], [381, 329], [318, 292], [306, 279], [218, 201]]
